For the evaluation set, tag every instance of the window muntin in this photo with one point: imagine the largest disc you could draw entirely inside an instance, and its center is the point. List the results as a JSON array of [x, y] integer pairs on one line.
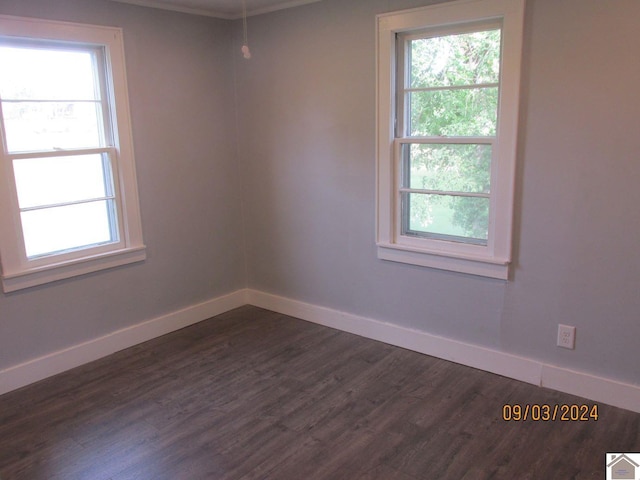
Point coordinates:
[[68, 193]]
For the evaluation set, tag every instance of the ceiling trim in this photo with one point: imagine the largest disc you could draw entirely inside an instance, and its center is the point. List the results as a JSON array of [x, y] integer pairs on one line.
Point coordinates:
[[213, 13]]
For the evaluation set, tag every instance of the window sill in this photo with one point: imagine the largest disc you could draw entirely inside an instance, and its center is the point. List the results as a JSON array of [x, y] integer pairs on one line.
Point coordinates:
[[72, 268], [481, 266]]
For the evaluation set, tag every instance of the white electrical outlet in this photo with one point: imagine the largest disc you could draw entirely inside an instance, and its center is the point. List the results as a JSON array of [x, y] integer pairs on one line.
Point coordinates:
[[566, 336]]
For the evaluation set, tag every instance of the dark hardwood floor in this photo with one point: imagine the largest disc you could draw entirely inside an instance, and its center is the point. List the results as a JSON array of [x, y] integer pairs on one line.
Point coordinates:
[[252, 394]]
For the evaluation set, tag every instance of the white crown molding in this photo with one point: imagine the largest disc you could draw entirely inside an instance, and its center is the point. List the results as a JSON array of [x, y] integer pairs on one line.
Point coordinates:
[[212, 12]]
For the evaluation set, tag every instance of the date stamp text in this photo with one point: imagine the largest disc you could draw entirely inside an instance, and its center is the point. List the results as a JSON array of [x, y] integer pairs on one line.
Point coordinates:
[[549, 413]]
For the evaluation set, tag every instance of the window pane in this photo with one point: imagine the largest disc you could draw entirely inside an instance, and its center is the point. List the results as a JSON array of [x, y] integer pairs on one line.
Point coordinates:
[[465, 59], [57, 229], [39, 126], [461, 112], [447, 167], [45, 74], [46, 181], [463, 217]]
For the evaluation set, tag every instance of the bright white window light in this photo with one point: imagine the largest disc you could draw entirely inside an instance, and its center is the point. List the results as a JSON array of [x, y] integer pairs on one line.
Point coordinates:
[[52, 103]]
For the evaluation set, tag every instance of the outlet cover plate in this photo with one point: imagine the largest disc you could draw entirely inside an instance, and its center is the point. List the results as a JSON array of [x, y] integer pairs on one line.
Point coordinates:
[[567, 336]]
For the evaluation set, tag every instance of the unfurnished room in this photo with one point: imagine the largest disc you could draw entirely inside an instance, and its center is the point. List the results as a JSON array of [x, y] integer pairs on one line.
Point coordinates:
[[319, 239]]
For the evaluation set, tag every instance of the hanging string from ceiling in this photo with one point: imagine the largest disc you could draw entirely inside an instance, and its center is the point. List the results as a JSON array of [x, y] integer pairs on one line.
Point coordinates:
[[246, 53]]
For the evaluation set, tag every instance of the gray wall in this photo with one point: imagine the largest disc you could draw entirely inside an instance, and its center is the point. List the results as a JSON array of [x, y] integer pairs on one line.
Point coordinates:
[[180, 82], [305, 150], [307, 102]]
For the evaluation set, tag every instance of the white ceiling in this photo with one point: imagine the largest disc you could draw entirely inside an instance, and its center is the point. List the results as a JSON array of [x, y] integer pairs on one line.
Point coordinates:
[[220, 8]]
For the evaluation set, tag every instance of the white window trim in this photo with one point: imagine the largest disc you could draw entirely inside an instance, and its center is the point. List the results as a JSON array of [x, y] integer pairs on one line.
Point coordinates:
[[17, 271], [492, 260]]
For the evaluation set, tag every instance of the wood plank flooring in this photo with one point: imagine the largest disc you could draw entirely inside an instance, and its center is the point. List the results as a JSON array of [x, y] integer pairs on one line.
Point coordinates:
[[252, 394]]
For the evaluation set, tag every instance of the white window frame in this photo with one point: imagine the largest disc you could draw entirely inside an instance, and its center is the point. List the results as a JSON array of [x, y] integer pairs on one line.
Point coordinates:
[[490, 260], [20, 272]]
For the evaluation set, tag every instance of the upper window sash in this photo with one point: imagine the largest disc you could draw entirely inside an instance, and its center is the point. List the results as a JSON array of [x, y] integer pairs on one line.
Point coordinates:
[[404, 72], [104, 135]]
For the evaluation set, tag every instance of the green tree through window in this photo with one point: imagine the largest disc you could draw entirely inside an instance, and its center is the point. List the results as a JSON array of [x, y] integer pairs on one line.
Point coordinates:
[[450, 93]]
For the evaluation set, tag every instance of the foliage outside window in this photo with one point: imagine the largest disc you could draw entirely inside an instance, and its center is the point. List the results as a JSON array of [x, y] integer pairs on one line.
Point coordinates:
[[448, 79], [68, 183]]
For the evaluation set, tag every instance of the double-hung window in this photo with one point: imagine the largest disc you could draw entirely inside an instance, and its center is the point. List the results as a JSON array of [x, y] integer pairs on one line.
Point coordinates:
[[67, 184], [448, 82]]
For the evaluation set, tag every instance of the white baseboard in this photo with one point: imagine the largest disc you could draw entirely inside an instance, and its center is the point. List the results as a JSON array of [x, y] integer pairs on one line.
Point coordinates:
[[599, 389], [525, 369], [60, 361], [479, 357]]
